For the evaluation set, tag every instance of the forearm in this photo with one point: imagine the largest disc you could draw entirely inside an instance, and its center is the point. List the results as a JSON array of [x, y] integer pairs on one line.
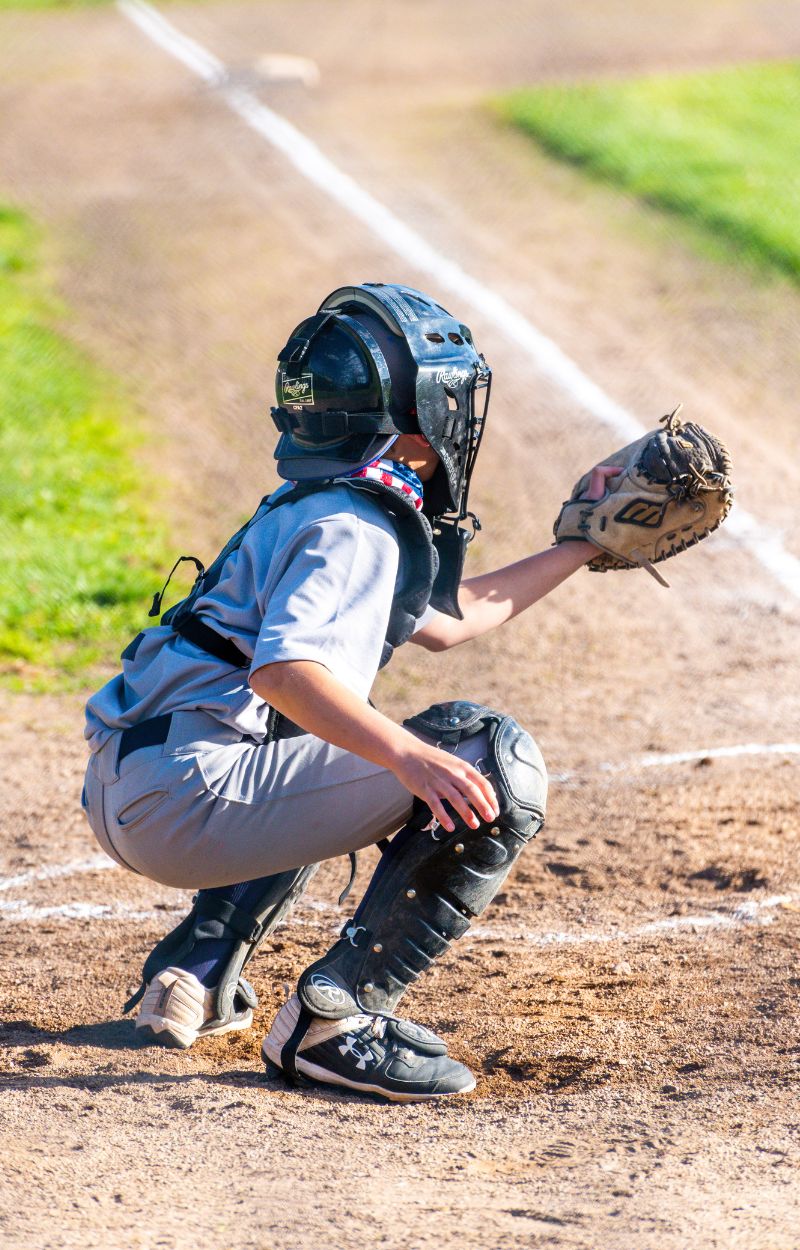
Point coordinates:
[[315, 700], [494, 598]]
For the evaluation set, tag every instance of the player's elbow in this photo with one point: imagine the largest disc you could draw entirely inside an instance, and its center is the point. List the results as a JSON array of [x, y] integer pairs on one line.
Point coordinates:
[[438, 644], [271, 680], [437, 639]]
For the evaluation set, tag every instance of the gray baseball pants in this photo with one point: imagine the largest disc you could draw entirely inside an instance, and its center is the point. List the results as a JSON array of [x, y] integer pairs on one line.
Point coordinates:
[[207, 809]]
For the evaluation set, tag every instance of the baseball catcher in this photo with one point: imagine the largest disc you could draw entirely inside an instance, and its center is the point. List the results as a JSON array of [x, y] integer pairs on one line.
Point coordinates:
[[238, 747]]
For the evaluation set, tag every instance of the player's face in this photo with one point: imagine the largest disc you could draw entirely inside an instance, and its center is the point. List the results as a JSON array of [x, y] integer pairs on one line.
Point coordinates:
[[415, 451]]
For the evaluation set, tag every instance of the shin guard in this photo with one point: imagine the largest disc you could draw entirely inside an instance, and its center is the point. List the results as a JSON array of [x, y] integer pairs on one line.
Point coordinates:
[[214, 918], [430, 884]]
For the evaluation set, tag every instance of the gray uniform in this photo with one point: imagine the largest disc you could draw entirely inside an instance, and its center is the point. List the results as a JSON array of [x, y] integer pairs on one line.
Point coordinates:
[[313, 580]]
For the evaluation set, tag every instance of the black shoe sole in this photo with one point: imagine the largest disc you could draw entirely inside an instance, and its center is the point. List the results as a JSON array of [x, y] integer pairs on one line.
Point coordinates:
[[312, 1073]]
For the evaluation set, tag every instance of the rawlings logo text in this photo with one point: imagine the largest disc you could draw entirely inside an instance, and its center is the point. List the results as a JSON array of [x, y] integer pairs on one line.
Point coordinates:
[[452, 377], [328, 989], [298, 390]]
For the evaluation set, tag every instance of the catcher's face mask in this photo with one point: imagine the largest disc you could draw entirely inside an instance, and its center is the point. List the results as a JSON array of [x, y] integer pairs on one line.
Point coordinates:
[[440, 384]]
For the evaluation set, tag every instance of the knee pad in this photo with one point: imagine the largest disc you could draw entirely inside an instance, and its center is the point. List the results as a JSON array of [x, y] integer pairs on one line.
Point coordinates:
[[512, 760], [430, 884]]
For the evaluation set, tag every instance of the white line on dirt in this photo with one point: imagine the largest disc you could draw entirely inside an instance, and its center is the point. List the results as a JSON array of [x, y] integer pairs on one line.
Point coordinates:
[[755, 911], [715, 753], [665, 759], [100, 863], [762, 541], [97, 863], [18, 910]]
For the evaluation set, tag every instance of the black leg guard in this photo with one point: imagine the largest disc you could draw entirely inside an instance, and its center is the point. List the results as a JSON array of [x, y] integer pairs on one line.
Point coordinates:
[[213, 917], [430, 884]]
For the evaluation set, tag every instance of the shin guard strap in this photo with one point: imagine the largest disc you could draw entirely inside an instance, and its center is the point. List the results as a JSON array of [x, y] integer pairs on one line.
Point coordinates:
[[241, 923], [290, 1047]]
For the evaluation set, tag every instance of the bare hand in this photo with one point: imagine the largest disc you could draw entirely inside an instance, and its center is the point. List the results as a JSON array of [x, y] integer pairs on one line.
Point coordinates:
[[598, 479], [437, 777]]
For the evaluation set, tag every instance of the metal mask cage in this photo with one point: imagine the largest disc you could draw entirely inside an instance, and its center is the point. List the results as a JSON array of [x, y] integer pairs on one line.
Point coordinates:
[[476, 426], [450, 374]]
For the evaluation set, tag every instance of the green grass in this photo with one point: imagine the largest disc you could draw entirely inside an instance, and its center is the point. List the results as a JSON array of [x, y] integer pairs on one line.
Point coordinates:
[[718, 148], [49, 4], [79, 553]]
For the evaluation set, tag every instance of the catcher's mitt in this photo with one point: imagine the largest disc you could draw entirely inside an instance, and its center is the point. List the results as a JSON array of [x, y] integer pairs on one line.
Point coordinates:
[[674, 489]]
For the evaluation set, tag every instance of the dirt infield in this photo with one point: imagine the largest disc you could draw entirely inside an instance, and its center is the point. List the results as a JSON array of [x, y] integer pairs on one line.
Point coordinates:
[[631, 1003]]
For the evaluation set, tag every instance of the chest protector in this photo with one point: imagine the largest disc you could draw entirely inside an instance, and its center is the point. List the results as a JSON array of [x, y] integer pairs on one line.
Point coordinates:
[[418, 586]]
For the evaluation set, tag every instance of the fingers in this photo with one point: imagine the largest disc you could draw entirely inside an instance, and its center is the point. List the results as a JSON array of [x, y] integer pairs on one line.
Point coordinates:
[[481, 794], [598, 479], [468, 793], [447, 784]]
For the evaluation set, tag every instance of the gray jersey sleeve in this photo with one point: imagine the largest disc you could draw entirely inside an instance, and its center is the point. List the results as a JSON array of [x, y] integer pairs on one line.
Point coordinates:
[[332, 601], [312, 581]]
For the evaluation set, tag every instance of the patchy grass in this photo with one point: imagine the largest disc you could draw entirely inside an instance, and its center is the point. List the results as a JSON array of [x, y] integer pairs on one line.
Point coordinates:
[[79, 553], [49, 4], [717, 148]]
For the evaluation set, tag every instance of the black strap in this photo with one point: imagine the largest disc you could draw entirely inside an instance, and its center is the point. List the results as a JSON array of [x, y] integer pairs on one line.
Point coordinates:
[[148, 733], [289, 1050], [158, 597], [207, 639], [353, 857], [241, 922], [135, 998], [296, 350], [334, 424]]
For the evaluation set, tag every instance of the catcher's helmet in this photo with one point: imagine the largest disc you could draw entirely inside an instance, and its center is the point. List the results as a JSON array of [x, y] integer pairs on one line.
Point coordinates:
[[376, 361]]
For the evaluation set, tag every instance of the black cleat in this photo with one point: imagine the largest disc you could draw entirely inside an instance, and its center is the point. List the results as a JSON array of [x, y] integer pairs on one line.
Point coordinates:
[[372, 1054]]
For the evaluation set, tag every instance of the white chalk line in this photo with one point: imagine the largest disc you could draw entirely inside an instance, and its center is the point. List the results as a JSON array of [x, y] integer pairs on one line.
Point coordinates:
[[96, 863], [19, 910], [658, 760], [752, 912], [762, 541], [101, 863]]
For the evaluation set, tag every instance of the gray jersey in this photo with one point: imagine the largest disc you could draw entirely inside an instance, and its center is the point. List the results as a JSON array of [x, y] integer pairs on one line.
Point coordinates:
[[312, 580]]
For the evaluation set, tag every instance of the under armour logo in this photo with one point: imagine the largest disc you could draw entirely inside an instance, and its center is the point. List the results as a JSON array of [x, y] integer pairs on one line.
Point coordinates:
[[351, 1048], [352, 931]]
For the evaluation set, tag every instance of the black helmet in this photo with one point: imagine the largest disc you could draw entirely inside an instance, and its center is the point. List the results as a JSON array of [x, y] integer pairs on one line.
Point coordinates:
[[379, 360]]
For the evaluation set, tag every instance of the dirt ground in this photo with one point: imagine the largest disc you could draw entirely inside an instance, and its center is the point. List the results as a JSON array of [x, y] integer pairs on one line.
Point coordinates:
[[630, 1004]]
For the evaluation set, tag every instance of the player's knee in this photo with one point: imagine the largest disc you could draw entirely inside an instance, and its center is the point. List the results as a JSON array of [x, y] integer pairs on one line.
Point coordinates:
[[497, 745]]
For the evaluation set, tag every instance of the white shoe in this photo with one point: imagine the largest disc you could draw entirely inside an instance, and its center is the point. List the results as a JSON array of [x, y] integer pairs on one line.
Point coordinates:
[[372, 1054], [177, 1009]]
